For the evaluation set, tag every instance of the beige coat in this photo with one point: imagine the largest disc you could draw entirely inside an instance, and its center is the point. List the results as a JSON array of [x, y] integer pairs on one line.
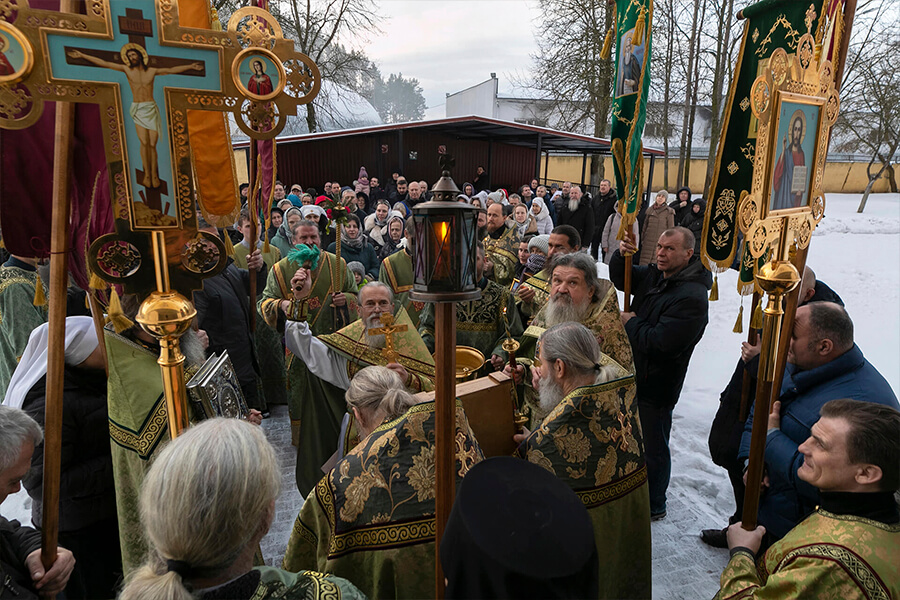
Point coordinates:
[[657, 219]]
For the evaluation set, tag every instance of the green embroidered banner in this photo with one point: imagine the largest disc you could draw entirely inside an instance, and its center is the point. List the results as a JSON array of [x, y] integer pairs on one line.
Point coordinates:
[[768, 25], [634, 20]]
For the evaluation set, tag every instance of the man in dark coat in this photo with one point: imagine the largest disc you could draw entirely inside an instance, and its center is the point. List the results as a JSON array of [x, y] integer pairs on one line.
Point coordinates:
[[671, 311], [578, 213], [823, 364], [21, 572], [223, 312], [603, 205], [727, 427]]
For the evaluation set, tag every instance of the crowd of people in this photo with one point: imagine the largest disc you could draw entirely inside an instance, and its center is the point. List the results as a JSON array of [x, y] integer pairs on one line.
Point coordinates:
[[341, 341]]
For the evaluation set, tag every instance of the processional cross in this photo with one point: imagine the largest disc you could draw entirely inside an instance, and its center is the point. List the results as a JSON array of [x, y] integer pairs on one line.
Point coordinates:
[[388, 328], [112, 56]]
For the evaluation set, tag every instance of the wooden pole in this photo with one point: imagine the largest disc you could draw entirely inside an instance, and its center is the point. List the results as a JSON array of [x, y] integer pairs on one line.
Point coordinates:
[[445, 422], [56, 350], [629, 261], [776, 278], [752, 339], [253, 208]]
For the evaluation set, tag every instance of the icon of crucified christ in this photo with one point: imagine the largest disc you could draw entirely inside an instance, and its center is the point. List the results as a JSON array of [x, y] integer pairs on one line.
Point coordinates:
[[144, 112]]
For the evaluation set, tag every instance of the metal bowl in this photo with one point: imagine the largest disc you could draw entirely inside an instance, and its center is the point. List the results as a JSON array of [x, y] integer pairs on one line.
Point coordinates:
[[468, 361]]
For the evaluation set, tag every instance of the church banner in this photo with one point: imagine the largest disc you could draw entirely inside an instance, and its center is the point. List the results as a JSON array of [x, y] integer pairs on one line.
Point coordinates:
[[634, 20], [768, 25]]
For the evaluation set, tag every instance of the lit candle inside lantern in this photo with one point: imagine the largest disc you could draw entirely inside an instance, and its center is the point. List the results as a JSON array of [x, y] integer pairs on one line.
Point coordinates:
[[443, 264]]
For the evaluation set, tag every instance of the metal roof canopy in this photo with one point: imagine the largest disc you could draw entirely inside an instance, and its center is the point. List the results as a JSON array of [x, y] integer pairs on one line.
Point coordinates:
[[475, 127]]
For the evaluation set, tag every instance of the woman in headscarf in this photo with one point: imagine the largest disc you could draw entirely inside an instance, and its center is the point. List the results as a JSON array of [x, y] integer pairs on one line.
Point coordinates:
[[541, 216], [326, 228], [283, 240], [524, 223], [276, 220], [376, 224], [355, 247], [394, 239], [468, 189], [87, 496]]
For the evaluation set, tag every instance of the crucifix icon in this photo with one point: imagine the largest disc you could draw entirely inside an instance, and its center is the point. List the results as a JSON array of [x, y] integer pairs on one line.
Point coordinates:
[[388, 328], [126, 55]]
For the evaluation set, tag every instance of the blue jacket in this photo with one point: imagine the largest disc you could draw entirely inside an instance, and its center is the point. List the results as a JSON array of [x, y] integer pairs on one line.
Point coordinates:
[[788, 500]]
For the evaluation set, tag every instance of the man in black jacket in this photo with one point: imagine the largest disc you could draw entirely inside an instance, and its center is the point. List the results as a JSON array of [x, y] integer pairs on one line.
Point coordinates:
[[223, 312], [603, 206], [671, 311], [577, 212], [21, 573]]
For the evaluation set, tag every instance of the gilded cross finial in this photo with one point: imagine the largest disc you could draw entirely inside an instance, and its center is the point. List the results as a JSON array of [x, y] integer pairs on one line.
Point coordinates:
[[388, 328], [810, 18]]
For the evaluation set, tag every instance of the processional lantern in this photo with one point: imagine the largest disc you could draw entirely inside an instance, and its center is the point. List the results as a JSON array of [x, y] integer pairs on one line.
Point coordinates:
[[796, 103], [444, 273], [445, 241]]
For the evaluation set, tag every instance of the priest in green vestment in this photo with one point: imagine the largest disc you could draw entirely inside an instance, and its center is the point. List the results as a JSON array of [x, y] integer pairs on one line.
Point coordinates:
[[482, 324], [337, 357], [371, 519], [19, 315], [397, 272], [591, 439], [138, 422], [269, 346], [578, 295], [534, 293], [848, 549], [501, 246], [315, 405]]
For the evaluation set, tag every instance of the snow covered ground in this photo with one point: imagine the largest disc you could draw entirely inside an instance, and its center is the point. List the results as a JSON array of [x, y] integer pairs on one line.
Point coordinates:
[[859, 257]]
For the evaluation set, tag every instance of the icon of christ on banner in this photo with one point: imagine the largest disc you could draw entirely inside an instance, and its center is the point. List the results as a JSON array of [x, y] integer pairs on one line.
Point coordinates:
[[143, 111]]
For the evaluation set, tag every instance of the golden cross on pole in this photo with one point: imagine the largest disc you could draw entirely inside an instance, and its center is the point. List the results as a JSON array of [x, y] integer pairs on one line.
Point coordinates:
[[388, 328]]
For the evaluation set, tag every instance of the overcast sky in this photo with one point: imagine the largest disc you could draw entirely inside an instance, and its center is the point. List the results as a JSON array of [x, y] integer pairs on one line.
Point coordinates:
[[449, 45]]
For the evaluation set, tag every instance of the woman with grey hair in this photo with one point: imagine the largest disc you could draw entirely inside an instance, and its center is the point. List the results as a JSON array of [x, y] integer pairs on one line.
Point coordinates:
[[207, 501], [376, 394]]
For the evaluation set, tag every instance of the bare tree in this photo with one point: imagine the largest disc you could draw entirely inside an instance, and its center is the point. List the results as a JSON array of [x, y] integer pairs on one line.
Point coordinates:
[[575, 81], [722, 74], [869, 122], [332, 32]]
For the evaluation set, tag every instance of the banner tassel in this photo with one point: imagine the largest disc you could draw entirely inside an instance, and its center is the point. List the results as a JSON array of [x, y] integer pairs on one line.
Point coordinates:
[[606, 51], [640, 24], [756, 321], [739, 324], [266, 248], [40, 299], [714, 292], [229, 247], [116, 314], [96, 283]]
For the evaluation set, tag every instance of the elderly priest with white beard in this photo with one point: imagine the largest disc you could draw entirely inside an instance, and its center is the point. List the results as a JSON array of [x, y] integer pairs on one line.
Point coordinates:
[[374, 339], [591, 439], [578, 295]]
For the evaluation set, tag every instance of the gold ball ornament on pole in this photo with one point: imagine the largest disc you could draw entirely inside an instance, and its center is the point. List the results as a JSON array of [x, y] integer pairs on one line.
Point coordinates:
[[167, 316]]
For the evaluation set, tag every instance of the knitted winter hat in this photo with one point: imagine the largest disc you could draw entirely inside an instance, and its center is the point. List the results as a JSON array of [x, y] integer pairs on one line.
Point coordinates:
[[541, 242]]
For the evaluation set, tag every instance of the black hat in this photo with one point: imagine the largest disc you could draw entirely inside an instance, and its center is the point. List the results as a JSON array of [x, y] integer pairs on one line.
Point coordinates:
[[517, 531]]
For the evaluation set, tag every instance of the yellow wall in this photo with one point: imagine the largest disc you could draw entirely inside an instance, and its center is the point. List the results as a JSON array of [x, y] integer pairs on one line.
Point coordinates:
[[840, 177]]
